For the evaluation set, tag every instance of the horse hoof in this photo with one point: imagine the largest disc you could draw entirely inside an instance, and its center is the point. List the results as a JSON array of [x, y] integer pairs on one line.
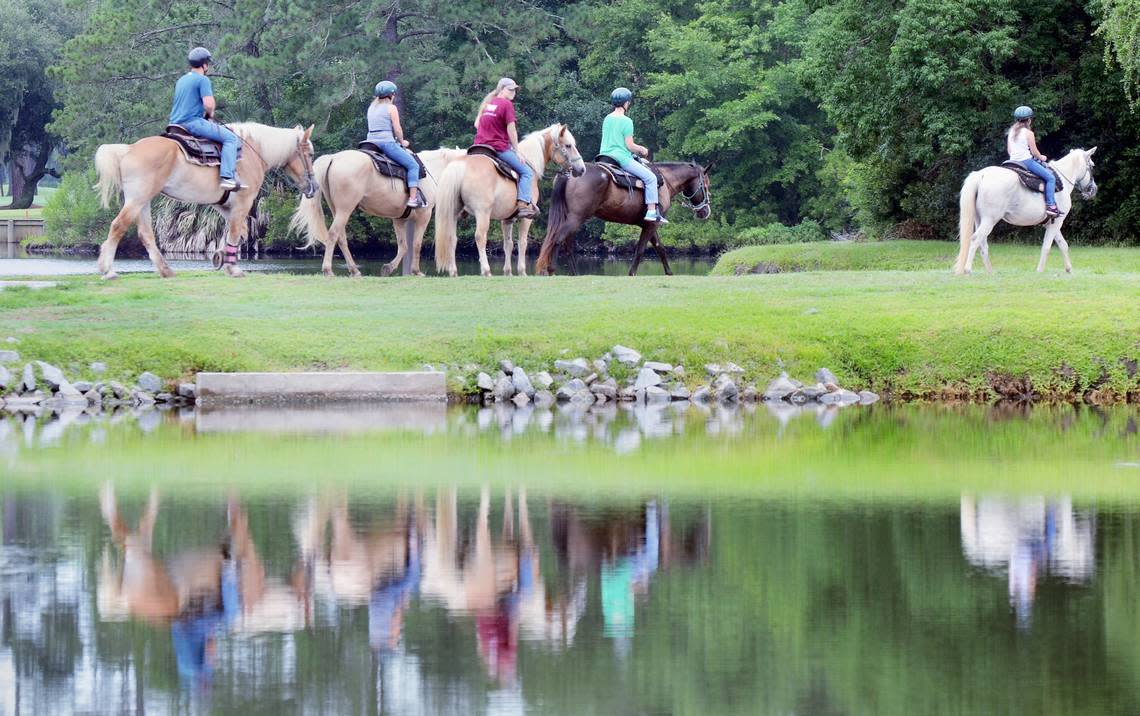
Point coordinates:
[[234, 272], [166, 272], [419, 273], [522, 273], [110, 276], [385, 270], [328, 272], [355, 273]]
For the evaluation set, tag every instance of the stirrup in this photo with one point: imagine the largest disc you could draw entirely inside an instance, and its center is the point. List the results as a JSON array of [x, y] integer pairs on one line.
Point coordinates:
[[231, 185], [656, 217], [526, 211], [1053, 212], [416, 200]]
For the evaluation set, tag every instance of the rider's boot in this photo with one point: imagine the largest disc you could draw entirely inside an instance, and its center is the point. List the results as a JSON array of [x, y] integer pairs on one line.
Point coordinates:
[[526, 210]]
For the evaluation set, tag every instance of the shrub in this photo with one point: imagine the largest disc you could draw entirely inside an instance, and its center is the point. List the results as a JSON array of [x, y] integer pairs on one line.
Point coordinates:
[[72, 215], [777, 233]]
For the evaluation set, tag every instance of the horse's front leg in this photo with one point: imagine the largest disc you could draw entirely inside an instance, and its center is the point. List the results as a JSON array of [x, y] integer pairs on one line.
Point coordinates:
[[482, 225], [423, 216], [1064, 246], [646, 231], [233, 238], [661, 254], [524, 237], [508, 245], [388, 268], [1046, 245]]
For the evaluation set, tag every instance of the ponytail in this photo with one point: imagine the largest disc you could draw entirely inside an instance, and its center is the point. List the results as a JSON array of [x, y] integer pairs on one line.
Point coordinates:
[[482, 105]]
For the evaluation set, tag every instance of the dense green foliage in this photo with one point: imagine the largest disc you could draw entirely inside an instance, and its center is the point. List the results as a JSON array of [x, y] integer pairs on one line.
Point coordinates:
[[853, 114], [908, 332]]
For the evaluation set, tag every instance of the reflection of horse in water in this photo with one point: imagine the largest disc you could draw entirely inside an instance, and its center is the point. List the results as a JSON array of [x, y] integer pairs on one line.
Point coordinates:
[[1024, 537], [198, 591]]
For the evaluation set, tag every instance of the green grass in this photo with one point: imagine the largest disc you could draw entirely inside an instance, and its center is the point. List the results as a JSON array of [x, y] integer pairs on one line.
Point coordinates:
[[917, 256], [917, 332], [22, 213]]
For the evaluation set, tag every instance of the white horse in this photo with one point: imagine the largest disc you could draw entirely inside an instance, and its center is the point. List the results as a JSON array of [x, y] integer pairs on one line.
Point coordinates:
[[995, 194]]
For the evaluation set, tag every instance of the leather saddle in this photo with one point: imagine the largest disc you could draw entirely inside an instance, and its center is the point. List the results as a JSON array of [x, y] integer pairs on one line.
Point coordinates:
[[386, 166], [1029, 180], [623, 179], [203, 152], [501, 166]]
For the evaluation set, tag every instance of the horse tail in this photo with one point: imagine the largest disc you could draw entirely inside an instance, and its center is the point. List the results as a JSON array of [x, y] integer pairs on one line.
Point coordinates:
[[309, 218], [448, 204], [967, 210], [107, 160], [557, 216]]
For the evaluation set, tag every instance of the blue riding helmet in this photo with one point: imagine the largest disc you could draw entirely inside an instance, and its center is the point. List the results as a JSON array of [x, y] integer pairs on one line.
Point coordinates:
[[198, 56], [384, 89], [1023, 112], [620, 96]]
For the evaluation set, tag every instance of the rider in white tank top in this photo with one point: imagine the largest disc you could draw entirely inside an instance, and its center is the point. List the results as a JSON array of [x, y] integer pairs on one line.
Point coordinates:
[[1017, 144]]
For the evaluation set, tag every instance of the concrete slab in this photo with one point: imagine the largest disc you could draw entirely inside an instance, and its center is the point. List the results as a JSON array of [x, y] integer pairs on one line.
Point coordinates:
[[27, 284], [312, 388], [421, 417]]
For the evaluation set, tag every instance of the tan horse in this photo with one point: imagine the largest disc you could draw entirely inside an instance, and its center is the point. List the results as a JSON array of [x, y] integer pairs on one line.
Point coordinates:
[[155, 165], [471, 185], [347, 182]]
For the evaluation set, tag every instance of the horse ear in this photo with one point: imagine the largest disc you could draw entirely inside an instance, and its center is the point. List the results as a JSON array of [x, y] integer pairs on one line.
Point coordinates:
[[709, 168], [309, 132], [1091, 151]]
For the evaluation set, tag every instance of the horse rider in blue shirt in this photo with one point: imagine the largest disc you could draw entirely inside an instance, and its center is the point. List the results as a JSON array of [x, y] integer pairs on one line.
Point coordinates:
[[193, 109]]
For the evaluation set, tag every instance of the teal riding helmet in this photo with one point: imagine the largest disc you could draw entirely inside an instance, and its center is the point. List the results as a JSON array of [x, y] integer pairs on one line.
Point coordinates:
[[1023, 112], [384, 89], [620, 96]]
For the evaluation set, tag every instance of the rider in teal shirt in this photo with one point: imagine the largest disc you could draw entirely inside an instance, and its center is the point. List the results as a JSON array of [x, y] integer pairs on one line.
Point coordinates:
[[618, 144]]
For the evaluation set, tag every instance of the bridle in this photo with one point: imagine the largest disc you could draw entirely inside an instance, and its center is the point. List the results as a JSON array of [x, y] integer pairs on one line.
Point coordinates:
[[689, 201], [306, 161], [1081, 184], [567, 159]]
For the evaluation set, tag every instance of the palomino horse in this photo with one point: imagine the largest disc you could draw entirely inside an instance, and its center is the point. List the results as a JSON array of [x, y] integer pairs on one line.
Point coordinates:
[[348, 181], [995, 194], [155, 165], [191, 583], [472, 186], [594, 194]]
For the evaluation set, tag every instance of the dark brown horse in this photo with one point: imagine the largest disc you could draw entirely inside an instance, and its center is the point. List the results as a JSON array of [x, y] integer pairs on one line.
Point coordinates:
[[576, 199]]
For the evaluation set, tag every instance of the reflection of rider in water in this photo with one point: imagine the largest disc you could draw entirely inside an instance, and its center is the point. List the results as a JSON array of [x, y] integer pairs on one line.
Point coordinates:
[[631, 574], [195, 636], [391, 597], [498, 633], [1030, 553]]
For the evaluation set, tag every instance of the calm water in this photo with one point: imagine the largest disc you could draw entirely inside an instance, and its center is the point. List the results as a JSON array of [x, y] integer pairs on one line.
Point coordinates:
[[882, 560], [70, 265]]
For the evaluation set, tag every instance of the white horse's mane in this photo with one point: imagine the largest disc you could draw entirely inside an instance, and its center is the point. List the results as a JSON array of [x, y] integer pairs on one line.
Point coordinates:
[[532, 147], [275, 145]]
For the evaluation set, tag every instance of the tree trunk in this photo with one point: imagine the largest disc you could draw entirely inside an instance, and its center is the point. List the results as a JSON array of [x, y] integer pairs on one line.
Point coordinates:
[[27, 166], [391, 36]]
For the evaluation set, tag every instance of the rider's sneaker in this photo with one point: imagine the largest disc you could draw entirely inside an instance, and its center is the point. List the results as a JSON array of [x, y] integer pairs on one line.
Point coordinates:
[[654, 216], [416, 200], [230, 184], [1053, 212], [526, 211]]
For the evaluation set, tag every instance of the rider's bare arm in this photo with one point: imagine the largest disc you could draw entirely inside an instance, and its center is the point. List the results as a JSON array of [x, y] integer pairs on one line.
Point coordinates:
[[513, 133], [635, 147], [210, 105], [1032, 141], [397, 128]]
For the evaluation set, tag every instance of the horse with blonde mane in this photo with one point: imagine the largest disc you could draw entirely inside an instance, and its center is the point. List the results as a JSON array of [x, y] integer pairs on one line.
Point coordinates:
[[996, 194], [156, 165], [348, 181], [471, 185]]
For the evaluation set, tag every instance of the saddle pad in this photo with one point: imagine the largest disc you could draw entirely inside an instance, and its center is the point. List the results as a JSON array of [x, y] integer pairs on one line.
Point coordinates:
[[1030, 180], [387, 167], [196, 150], [621, 177], [489, 152]]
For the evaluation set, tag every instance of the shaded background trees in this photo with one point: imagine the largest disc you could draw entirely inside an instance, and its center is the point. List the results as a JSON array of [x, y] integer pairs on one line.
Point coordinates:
[[841, 115]]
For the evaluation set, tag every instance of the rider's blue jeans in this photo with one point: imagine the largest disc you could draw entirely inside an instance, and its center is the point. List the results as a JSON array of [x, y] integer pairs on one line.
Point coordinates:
[[526, 174], [646, 175], [1046, 174], [404, 158], [206, 129]]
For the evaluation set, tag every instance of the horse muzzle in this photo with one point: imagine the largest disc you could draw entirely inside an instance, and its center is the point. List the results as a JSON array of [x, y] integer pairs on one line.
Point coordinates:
[[310, 189], [704, 212], [1088, 192], [578, 167]]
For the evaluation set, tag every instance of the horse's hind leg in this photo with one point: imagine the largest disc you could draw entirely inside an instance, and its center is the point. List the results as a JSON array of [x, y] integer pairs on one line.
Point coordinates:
[[127, 215], [985, 226], [338, 230], [146, 234], [508, 245], [984, 250], [661, 254]]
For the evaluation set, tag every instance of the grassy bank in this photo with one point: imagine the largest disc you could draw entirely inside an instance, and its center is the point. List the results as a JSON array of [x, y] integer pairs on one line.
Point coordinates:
[[916, 333], [915, 256]]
